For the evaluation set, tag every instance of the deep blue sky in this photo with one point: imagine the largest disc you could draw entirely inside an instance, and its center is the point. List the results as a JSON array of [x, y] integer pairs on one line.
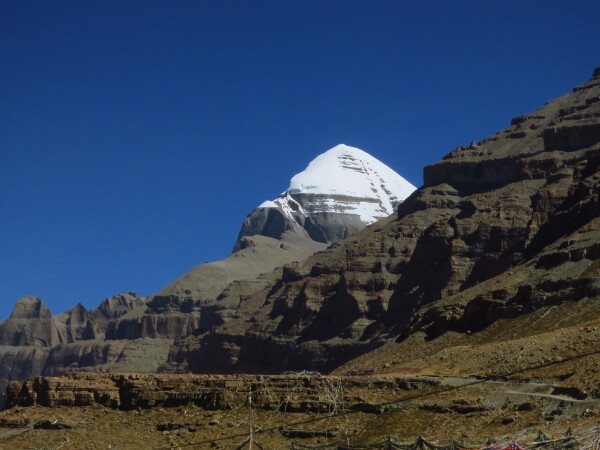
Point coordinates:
[[136, 135]]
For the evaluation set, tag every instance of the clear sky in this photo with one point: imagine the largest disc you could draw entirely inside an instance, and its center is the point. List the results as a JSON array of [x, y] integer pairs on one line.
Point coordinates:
[[135, 136]]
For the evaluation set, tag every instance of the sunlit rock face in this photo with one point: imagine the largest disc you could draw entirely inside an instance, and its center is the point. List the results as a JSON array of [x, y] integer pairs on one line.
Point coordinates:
[[30, 324]]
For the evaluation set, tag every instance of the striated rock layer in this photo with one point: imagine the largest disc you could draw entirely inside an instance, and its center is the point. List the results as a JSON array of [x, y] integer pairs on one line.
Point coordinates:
[[341, 192], [499, 228], [33, 342], [127, 391]]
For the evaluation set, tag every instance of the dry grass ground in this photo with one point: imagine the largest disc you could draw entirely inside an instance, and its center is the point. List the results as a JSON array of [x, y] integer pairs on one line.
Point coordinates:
[[473, 396]]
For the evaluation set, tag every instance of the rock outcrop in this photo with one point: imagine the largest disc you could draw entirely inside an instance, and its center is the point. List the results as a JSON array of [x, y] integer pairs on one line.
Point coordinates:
[[79, 324], [33, 342], [116, 306], [499, 228], [299, 392], [30, 324], [80, 339]]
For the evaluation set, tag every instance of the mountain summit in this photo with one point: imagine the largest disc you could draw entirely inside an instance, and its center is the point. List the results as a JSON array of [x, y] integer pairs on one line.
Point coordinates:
[[508, 228], [340, 192]]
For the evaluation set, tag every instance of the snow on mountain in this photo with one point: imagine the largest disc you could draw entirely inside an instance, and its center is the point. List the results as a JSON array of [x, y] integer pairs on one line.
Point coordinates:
[[344, 180]]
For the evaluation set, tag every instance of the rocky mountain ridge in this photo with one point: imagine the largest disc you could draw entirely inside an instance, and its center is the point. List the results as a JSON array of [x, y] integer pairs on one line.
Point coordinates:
[[479, 294], [500, 229], [32, 342]]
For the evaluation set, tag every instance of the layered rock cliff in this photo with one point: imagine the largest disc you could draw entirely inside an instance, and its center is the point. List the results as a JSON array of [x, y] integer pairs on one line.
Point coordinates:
[[30, 324], [357, 190], [339, 193], [33, 342], [499, 228]]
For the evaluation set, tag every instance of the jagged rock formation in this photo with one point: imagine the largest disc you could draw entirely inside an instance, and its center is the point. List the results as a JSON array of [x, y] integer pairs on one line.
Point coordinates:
[[80, 339], [115, 307], [508, 228], [500, 228], [341, 191], [33, 342], [30, 324], [79, 324]]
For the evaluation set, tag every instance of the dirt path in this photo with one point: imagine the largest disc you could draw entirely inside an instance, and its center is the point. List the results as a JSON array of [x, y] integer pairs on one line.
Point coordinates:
[[565, 398]]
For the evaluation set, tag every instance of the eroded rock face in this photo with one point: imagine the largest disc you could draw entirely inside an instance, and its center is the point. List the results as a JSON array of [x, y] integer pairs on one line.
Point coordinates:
[[212, 392], [30, 324], [166, 325], [80, 325], [24, 362], [34, 343], [20, 363], [500, 228], [190, 306], [115, 307]]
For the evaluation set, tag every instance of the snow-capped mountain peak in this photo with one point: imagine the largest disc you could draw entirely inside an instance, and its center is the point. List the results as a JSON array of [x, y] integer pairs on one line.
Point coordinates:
[[344, 180]]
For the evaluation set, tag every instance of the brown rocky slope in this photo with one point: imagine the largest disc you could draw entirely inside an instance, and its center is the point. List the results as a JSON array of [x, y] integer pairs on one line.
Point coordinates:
[[499, 229], [487, 280]]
